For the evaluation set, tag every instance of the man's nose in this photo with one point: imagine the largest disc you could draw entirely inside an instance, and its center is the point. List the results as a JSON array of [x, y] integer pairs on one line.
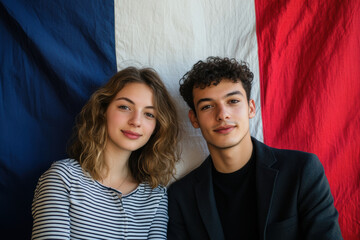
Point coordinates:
[[222, 113]]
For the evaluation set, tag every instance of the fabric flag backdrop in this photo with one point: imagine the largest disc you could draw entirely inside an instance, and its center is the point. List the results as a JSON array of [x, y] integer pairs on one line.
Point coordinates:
[[305, 57]]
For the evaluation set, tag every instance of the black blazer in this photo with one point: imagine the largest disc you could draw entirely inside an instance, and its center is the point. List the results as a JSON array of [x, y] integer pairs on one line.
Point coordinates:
[[293, 199]]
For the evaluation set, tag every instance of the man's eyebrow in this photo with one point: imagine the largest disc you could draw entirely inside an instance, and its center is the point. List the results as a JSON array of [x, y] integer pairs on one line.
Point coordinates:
[[234, 93], [227, 95], [203, 100], [130, 101]]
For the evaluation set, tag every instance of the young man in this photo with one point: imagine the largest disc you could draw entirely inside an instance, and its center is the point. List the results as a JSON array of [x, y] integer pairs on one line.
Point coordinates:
[[244, 189]]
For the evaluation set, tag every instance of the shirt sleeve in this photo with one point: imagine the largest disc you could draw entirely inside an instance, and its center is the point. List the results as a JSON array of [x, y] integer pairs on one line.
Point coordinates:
[[318, 216], [158, 226], [50, 208]]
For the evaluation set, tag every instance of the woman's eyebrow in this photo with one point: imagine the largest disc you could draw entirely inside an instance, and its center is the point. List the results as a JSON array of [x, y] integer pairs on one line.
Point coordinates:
[[132, 102], [126, 99]]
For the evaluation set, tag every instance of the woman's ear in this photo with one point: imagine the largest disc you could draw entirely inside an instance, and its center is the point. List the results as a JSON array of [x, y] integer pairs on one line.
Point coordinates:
[[193, 119]]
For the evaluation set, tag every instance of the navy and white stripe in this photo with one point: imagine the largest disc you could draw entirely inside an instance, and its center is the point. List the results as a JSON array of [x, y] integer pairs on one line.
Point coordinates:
[[69, 204]]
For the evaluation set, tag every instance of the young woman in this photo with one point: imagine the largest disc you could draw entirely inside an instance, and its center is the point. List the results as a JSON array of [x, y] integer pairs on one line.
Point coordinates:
[[123, 153]]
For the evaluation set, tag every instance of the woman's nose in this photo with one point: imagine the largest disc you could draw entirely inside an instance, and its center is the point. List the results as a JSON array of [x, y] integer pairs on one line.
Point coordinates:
[[135, 119]]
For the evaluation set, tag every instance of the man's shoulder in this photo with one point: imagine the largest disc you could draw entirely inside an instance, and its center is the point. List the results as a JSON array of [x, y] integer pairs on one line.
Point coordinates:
[[285, 159], [186, 179], [187, 182], [284, 156], [293, 154]]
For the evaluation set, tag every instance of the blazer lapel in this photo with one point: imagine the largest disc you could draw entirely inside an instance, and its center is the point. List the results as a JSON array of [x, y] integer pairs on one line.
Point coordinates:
[[265, 183], [206, 202]]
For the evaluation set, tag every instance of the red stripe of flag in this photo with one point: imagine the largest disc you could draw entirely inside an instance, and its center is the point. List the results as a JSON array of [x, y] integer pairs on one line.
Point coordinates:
[[309, 58]]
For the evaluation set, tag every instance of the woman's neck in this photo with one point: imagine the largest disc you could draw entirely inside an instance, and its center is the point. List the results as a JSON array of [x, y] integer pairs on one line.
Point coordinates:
[[116, 173]]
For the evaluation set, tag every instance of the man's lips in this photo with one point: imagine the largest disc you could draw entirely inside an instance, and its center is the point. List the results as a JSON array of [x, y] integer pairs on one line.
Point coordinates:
[[224, 129], [130, 134]]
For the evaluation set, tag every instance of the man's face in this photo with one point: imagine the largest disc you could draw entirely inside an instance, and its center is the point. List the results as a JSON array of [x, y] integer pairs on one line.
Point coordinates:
[[222, 114]]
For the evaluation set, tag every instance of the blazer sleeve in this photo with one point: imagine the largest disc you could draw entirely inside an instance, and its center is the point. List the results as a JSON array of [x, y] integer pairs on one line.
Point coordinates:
[[176, 225], [318, 216]]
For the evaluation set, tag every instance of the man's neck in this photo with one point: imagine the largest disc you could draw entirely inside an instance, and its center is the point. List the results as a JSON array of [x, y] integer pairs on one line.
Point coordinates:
[[228, 160]]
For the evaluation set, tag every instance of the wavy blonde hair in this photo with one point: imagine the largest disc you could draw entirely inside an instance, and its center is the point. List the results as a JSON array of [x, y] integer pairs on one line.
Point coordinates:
[[155, 161]]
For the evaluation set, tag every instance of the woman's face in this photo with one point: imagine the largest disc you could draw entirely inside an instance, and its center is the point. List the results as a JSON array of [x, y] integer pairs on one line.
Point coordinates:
[[131, 118]]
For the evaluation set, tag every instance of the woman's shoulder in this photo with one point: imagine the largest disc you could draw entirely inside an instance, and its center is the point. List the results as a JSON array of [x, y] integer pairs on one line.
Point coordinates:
[[146, 190], [64, 167], [61, 173], [158, 189]]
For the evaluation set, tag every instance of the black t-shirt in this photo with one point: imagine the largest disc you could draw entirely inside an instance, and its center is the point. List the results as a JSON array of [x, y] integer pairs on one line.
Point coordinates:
[[235, 195]]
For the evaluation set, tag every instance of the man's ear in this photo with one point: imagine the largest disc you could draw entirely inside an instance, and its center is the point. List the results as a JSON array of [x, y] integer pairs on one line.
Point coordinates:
[[252, 109], [193, 119]]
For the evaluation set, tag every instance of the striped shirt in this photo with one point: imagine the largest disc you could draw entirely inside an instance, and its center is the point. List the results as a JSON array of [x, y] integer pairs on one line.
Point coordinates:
[[69, 204]]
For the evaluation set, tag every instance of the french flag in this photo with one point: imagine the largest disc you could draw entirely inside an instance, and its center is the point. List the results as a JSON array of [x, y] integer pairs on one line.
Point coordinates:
[[305, 56]]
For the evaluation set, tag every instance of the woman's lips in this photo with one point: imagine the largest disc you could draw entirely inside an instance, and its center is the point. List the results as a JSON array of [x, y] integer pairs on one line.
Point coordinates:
[[130, 134]]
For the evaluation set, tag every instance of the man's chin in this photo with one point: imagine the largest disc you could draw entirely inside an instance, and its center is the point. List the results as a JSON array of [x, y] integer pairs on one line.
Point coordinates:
[[222, 146]]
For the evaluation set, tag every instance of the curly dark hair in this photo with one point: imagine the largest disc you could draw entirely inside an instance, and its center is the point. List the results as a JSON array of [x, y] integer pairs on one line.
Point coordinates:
[[212, 72]]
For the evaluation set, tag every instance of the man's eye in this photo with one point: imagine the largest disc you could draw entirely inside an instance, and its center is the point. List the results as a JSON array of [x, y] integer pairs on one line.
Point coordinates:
[[234, 101], [205, 107]]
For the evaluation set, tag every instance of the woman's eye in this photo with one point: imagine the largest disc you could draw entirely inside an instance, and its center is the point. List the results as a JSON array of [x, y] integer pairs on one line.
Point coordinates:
[[150, 115], [123, 107]]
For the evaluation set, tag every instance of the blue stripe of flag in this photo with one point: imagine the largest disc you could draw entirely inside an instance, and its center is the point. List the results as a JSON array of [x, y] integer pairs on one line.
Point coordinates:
[[53, 54]]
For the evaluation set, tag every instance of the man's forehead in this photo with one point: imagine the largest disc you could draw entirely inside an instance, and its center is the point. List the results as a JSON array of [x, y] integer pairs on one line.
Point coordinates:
[[201, 83], [229, 82], [222, 90]]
